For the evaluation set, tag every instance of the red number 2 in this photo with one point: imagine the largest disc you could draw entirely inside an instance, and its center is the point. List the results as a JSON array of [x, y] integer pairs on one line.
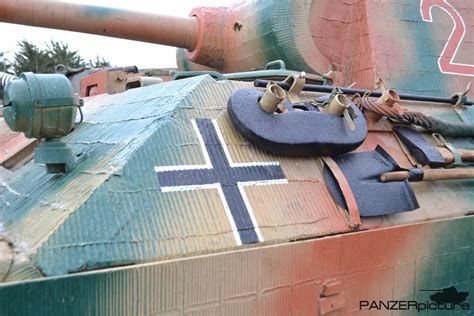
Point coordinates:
[[446, 60]]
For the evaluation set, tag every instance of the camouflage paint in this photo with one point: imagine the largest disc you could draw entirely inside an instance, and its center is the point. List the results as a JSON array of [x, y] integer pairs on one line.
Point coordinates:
[[445, 268], [359, 40], [268, 32], [288, 33], [447, 61], [60, 219], [406, 53], [342, 38], [126, 135], [109, 211], [408, 33], [15, 148], [284, 279], [102, 12], [133, 25], [119, 136]]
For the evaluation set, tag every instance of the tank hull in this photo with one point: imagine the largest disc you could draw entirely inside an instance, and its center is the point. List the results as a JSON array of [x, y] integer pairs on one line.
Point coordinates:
[[335, 275]]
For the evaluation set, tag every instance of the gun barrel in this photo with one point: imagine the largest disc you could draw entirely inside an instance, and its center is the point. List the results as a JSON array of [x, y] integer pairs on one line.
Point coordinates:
[[140, 26]]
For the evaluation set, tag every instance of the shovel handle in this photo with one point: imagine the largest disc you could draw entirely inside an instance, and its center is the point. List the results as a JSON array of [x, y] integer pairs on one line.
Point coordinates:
[[466, 155], [394, 176], [448, 174], [430, 174]]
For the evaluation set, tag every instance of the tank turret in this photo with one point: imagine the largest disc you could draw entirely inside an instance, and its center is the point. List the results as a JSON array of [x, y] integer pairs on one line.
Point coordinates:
[[355, 41], [239, 38]]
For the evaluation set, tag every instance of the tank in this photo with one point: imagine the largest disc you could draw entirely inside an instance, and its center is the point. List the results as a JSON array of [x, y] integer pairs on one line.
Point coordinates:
[[449, 295], [215, 195], [309, 36]]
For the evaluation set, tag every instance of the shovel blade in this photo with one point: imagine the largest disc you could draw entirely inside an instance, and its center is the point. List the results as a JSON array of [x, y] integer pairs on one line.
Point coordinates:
[[374, 198]]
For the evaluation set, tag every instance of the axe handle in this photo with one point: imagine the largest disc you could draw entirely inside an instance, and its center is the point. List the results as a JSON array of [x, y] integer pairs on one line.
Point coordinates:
[[430, 174], [466, 155]]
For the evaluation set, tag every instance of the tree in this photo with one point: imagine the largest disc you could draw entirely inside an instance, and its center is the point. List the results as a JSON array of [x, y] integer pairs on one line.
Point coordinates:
[[31, 58], [59, 53], [5, 65], [99, 62]]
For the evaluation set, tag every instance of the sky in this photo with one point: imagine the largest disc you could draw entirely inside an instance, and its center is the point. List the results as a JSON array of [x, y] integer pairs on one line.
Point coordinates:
[[118, 51]]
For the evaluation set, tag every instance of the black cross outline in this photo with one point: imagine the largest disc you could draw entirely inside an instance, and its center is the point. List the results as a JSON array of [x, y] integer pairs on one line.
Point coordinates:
[[227, 177]]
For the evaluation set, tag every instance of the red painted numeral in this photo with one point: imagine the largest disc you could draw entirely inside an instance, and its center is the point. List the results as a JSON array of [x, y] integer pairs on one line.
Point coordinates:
[[446, 60]]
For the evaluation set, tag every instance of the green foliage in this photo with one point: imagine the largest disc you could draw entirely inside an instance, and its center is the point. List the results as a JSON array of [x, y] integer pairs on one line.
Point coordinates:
[[31, 58], [60, 53], [5, 65], [99, 62]]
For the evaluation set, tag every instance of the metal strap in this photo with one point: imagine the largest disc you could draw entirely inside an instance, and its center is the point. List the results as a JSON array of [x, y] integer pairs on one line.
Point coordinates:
[[354, 220], [441, 142], [416, 174], [405, 150]]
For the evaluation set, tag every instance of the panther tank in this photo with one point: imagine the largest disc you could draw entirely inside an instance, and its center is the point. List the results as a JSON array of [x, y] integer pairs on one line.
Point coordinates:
[[267, 176]]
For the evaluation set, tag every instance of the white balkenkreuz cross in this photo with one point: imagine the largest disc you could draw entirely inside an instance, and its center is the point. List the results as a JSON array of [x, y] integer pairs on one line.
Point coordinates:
[[228, 178]]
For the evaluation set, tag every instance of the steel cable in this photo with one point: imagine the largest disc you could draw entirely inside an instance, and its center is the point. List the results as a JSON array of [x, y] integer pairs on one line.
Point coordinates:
[[427, 122]]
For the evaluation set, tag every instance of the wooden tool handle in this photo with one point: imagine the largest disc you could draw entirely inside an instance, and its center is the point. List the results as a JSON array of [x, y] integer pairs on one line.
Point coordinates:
[[448, 174], [430, 174], [394, 176], [466, 155]]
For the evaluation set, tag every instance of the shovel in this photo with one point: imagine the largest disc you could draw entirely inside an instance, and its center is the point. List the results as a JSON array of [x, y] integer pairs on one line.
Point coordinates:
[[442, 155], [364, 170]]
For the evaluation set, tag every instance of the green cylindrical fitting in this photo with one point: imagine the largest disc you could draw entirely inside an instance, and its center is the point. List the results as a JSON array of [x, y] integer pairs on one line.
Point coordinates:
[[41, 106]]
